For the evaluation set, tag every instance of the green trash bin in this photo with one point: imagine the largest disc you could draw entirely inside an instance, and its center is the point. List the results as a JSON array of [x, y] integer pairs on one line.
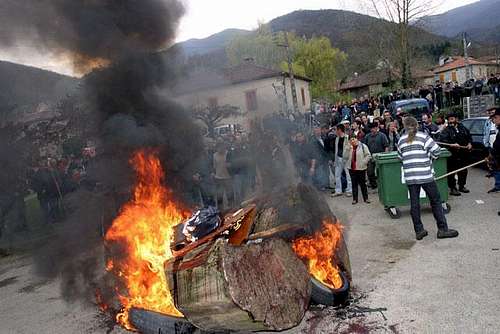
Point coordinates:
[[392, 190]]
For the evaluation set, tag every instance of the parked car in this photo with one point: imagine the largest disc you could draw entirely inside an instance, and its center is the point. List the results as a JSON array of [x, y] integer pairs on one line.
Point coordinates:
[[227, 129], [476, 127], [414, 107]]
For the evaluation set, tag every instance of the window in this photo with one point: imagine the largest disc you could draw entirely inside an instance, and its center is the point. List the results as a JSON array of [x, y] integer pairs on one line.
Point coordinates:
[[441, 77], [454, 76], [212, 102], [251, 99], [303, 93], [476, 128]]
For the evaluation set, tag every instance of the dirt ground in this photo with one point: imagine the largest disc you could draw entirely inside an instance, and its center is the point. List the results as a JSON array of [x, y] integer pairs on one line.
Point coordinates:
[[400, 285]]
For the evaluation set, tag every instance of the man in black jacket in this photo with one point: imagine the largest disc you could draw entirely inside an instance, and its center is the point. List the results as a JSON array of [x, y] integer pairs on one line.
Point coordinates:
[[494, 157], [459, 142]]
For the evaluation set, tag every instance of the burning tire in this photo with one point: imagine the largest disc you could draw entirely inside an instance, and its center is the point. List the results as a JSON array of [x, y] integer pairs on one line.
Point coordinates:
[[148, 322], [321, 294]]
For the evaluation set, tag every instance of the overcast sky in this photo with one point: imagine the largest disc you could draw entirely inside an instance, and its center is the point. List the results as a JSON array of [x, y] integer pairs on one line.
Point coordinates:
[[207, 17]]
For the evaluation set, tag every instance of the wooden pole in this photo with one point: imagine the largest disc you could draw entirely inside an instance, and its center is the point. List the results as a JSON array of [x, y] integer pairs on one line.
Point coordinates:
[[459, 170], [451, 145]]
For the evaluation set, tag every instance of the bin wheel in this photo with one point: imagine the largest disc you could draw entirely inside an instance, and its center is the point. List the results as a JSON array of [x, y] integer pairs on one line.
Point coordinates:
[[394, 212], [446, 208]]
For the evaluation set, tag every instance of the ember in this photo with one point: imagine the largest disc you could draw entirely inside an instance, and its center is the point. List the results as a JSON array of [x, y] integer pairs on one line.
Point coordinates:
[[319, 250], [144, 229]]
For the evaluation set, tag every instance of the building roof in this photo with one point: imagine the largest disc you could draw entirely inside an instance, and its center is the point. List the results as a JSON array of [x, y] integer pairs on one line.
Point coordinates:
[[422, 74], [373, 77], [206, 79], [381, 76], [459, 62]]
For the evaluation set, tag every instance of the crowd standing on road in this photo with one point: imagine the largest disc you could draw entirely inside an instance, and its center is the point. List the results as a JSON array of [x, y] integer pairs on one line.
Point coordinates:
[[337, 155]]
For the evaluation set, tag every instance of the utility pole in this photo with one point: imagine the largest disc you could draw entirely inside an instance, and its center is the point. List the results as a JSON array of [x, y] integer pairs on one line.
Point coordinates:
[[496, 58], [290, 72], [284, 94], [466, 57]]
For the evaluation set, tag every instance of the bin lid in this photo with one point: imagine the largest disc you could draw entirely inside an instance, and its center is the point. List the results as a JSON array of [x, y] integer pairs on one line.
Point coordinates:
[[444, 153], [389, 157]]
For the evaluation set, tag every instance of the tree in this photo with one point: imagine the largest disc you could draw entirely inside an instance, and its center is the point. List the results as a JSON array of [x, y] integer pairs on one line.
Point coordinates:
[[211, 116], [318, 60], [403, 13], [314, 58]]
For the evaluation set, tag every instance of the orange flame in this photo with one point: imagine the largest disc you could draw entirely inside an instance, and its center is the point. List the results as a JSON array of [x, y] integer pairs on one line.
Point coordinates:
[[144, 228], [319, 250], [99, 300]]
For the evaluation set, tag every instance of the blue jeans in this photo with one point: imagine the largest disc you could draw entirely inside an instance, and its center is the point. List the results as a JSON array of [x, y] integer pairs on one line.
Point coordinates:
[[496, 175], [339, 168]]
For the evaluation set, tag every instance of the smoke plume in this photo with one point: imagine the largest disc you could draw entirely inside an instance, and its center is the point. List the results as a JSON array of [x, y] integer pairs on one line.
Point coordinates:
[[122, 104], [90, 32]]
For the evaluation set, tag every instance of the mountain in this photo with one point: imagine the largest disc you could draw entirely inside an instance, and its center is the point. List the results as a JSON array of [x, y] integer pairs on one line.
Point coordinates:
[[210, 44], [364, 38], [24, 87], [480, 20]]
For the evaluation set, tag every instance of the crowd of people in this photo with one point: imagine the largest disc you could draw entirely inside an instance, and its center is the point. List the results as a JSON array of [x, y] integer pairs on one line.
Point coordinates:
[[329, 144], [440, 96], [50, 180]]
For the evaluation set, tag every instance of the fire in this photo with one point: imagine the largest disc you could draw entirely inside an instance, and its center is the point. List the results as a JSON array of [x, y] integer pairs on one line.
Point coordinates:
[[144, 229], [319, 250]]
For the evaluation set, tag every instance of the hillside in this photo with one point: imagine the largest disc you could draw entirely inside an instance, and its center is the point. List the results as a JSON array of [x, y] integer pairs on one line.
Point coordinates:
[[28, 86], [210, 44], [480, 20], [363, 38]]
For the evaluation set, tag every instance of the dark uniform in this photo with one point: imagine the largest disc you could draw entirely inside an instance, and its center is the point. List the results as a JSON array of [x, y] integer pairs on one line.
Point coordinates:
[[459, 156], [302, 155]]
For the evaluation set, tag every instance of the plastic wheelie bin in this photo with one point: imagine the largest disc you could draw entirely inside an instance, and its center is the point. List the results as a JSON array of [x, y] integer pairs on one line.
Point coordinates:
[[392, 189]]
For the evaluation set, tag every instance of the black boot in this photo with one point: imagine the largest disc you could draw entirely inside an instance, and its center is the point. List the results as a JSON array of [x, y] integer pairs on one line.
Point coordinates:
[[422, 234], [464, 190], [442, 234], [455, 192]]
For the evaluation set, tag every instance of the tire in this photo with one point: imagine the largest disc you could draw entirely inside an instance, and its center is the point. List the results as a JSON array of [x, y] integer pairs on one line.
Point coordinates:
[[395, 213], [446, 208], [321, 294], [148, 322]]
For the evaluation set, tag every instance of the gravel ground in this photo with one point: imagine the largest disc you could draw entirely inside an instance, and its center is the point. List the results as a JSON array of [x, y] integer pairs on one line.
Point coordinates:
[[401, 286]]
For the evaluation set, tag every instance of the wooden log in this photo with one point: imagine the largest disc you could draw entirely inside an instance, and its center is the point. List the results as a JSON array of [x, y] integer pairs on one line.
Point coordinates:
[[254, 287], [300, 205]]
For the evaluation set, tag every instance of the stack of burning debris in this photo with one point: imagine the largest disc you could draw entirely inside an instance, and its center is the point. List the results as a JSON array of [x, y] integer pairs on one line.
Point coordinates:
[[251, 269]]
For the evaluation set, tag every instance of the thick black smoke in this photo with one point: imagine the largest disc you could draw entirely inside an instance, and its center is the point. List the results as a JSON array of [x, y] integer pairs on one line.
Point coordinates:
[[122, 105], [87, 30]]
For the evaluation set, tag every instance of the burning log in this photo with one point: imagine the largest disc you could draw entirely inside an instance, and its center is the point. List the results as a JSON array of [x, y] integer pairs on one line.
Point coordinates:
[[254, 287]]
